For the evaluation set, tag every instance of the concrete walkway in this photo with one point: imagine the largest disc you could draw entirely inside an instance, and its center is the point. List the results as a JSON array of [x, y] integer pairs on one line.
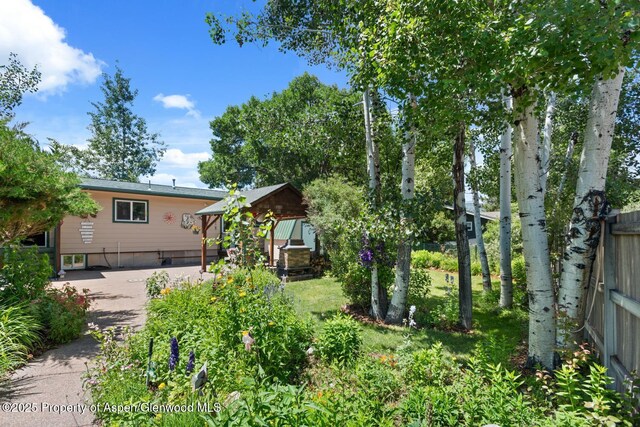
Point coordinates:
[[48, 391]]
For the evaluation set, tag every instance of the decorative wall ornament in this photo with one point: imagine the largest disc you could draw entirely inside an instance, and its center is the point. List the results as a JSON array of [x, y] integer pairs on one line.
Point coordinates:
[[169, 217], [188, 221], [86, 232]]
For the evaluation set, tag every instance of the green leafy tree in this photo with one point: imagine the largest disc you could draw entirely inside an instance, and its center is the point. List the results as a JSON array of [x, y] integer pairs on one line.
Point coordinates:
[[15, 81], [35, 193], [307, 131], [120, 147]]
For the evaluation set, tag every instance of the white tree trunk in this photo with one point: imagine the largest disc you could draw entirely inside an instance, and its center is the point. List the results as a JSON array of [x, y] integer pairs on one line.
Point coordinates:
[[535, 245], [376, 308], [477, 224], [506, 283], [584, 227], [545, 149], [403, 264]]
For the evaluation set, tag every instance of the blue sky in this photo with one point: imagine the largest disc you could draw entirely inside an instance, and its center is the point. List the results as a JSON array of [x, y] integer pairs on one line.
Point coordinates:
[[184, 80]]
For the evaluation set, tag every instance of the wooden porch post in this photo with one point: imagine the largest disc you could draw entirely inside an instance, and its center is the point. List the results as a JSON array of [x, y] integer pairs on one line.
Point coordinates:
[[271, 244], [203, 250]]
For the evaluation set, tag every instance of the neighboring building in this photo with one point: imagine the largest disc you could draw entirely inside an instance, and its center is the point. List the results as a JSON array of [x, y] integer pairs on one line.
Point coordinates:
[[139, 225], [485, 217]]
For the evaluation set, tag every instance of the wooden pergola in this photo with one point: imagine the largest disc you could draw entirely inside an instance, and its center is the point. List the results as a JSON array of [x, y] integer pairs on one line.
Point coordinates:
[[284, 201]]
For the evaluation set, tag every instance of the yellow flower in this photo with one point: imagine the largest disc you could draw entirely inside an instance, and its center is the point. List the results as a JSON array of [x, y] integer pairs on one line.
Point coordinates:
[[161, 386], [158, 415], [165, 291], [242, 294], [271, 323], [229, 279], [242, 310], [213, 299], [244, 333]]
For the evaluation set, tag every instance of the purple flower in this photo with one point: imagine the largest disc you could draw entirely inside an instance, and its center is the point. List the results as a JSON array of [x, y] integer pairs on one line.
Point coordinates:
[[366, 257], [175, 354], [191, 362]]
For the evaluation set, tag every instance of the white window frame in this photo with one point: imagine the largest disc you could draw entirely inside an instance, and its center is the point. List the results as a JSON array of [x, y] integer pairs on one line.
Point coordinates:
[[75, 264], [131, 202]]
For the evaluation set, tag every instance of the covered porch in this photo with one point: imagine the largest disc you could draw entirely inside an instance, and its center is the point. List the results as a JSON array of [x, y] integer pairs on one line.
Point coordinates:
[[284, 201]]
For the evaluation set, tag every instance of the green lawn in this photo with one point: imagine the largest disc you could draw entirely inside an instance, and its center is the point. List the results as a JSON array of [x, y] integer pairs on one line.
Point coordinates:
[[499, 332]]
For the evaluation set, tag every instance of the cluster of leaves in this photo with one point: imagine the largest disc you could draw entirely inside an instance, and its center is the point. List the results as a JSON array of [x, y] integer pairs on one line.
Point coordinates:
[[156, 283], [63, 313], [340, 341], [35, 193], [15, 81], [18, 335]]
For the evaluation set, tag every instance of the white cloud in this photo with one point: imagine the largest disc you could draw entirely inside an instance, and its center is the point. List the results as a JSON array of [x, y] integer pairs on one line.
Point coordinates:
[[181, 102], [38, 41], [174, 157]]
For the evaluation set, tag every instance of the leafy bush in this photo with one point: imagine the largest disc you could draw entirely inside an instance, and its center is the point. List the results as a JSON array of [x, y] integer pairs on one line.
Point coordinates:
[[449, 264], [340, 340], [156, 283], [18, 334], [446, 314], [519, 275], [63, 313], [431, 366], [476, 268], [24, 275]]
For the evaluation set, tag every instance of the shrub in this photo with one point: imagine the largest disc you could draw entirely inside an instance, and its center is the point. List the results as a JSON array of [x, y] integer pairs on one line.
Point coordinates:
[[449, 264], [340, 340], [24, 275], [446, 314], [63, 313], [156, 283], [18, 334], [356, 283], [476, 268]]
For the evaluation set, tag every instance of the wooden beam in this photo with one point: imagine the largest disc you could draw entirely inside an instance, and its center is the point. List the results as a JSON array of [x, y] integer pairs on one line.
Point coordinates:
[[215, 219], [272, 234], [203, 249], [610, 284], [626, 228], [628, 304]]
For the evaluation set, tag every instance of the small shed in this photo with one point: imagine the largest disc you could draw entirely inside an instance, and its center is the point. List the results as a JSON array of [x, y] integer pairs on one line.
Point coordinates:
[[284, 201]]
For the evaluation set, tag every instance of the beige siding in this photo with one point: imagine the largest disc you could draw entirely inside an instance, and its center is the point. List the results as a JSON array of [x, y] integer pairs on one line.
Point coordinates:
[[158, 235]]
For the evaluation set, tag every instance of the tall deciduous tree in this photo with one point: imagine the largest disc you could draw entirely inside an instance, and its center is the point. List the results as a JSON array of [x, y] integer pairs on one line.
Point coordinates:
[[588, 203], [398, 304], [307, 131], [15, 81], [120, 146]]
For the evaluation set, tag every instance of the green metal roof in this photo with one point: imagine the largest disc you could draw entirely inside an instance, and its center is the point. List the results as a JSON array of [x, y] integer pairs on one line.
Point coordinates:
[[153, 189], [251, 196], [284, 229]]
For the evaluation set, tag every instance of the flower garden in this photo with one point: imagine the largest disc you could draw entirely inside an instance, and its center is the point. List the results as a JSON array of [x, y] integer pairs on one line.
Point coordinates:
[[240, 351]]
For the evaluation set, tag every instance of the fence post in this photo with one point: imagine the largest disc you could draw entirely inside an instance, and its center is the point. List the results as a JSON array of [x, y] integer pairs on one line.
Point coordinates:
[[609, 265]]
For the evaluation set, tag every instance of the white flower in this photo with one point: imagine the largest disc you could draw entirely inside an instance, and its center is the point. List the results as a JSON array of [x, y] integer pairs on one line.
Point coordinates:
[[412, 310]]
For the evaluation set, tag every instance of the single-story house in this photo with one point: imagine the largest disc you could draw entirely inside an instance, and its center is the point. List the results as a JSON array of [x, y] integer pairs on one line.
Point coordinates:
[[139, 225]]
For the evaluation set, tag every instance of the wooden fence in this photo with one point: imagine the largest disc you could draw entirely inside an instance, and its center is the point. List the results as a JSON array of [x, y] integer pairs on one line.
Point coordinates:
[[612, 307]]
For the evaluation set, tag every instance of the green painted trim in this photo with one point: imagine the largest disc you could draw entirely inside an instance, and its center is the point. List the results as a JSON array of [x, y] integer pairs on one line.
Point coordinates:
[[113, 210], [148, 193]]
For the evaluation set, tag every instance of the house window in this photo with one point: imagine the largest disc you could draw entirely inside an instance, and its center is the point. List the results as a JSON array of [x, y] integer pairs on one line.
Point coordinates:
[[73, 261], [130, 210], [469, 226], [41, 240]]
